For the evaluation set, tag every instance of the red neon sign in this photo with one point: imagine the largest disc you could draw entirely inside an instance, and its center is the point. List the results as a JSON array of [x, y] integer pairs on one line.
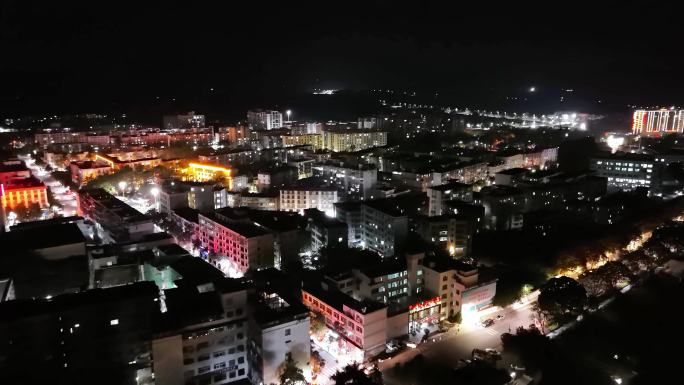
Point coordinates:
[[425, 304]]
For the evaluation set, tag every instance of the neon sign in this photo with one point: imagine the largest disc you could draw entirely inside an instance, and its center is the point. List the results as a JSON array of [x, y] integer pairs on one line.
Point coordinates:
[[424, 304]]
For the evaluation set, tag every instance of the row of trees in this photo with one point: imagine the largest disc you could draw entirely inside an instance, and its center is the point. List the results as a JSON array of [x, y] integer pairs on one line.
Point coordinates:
[[291, 374]]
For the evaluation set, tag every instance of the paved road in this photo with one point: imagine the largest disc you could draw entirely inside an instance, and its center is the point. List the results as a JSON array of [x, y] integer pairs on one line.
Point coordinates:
[[455, 345], [63, 194]]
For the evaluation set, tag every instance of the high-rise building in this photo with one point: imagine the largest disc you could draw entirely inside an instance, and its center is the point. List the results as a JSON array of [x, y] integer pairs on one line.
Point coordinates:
[[184, 121], [385, 226], [657, 121], [264, 120]]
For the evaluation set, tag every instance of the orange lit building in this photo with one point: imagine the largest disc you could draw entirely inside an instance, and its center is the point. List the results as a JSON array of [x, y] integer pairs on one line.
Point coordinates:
[[24, 193], [202, 172]]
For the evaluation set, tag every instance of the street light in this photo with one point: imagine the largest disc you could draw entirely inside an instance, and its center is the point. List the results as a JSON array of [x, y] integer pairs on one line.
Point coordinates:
[[155, 194], [122, 186], [288, 112]]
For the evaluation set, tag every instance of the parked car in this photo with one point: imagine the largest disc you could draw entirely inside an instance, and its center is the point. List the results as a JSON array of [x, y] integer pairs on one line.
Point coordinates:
[[487, 323]]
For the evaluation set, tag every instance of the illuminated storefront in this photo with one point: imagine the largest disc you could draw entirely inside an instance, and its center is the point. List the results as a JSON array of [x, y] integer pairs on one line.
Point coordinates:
[[424, 314], [478, 297]]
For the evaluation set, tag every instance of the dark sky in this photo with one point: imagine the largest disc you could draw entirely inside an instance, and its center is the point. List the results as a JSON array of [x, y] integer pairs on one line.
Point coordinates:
[[58, 57]]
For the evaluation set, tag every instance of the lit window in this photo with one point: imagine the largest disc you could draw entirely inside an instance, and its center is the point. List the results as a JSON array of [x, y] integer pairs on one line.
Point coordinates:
[[114, 322]]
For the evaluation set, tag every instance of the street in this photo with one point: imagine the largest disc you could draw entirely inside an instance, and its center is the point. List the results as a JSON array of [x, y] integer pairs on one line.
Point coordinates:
[[454, 345], [62, 194]]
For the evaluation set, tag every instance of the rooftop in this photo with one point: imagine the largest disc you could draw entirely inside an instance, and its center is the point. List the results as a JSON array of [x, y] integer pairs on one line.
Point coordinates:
[[453, 185], [187, 213], [13, 167], [335, 298], [385, 267], [245, 229], [442, 264], [88, 164], [51, 235]]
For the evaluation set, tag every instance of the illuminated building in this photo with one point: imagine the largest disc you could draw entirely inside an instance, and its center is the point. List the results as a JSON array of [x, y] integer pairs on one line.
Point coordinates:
[[356, 183], [325, 231], [384, 226], [209, 340], [314, 140], [452, 233], [84, 171], [269, 201], [304, 167], [242, 245], [447, 279], [362, 325], [201, 172], [440, 194], [186, 121], [116, 163], [385, 282], [24, 192], [626, 171], [264, 120], [279, 325], [353, 140], [47, 138], [239, 135], [658, 121], [312, 196], [121, 221]]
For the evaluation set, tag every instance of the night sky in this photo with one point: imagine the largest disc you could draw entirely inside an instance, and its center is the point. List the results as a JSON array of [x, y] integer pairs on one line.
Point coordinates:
[[91, 57]]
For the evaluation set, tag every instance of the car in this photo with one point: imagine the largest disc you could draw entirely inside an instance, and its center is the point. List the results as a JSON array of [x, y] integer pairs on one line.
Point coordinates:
[[487, 323]]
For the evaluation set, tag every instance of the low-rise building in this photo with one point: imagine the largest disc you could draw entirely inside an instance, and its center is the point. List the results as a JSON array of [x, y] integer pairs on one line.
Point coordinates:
[[121, 221], [84, 171], [626, 172], [360, 324]]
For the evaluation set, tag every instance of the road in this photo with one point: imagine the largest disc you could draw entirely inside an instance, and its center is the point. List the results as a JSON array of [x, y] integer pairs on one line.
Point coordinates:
[[455, 345], [62, 194]]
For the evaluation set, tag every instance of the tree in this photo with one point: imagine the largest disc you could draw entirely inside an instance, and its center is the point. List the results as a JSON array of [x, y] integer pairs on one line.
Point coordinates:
[[562, 296], [27, 214], [317, 364], [352, 375], [290, 373]]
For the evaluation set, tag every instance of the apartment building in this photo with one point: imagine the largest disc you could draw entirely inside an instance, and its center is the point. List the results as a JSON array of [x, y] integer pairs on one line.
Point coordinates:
[[241, 245]]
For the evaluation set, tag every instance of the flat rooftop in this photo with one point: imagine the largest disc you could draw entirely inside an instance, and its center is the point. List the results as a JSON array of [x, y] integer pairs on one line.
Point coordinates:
[[335, 298], [245, 229]]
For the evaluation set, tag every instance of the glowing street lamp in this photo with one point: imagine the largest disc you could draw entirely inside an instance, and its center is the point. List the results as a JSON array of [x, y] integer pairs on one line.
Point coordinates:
[[122, 186], [155, 194], [288, 113]]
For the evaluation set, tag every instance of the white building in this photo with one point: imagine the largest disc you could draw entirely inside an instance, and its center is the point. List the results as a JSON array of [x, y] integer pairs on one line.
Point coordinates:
[[299, 199], [278, 326]]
